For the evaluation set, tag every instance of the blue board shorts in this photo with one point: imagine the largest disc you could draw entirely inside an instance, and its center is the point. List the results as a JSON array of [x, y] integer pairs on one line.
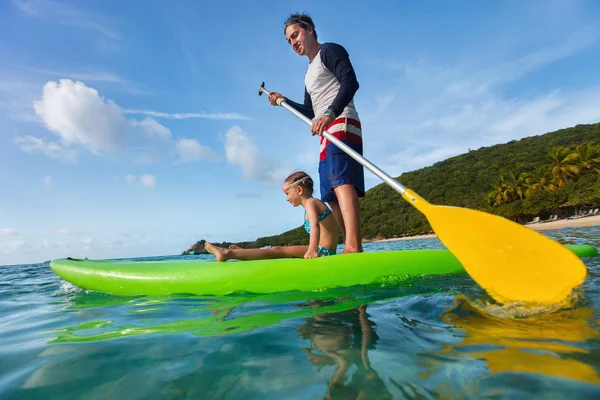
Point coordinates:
[[336, 168]]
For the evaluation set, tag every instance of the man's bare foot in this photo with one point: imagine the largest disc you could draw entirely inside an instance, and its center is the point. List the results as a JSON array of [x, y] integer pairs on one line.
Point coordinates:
[[234, 246], [350, 250], [219, 252]]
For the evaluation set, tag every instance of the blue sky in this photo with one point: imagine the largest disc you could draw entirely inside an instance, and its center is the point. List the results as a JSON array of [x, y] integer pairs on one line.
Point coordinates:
[[134, 128]]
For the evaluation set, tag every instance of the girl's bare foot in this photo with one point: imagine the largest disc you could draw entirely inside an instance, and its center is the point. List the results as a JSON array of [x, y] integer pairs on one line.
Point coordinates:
[[234, 246], [219, 252]]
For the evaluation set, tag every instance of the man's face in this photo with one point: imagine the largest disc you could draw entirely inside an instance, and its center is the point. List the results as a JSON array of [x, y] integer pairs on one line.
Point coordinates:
[[300, 39]]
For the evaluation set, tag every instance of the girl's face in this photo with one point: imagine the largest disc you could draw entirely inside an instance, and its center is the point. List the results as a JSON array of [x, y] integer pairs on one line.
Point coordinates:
[[293, 194]]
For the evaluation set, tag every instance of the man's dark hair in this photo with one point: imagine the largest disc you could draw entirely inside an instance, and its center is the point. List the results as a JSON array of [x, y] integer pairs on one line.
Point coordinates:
[[304, 20]]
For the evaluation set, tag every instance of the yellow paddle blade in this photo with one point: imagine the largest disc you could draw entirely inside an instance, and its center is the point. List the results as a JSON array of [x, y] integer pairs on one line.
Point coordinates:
[[511, 262]]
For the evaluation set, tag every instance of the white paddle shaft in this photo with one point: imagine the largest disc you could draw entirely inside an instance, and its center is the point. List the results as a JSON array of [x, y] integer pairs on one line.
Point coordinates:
[[347, 149]]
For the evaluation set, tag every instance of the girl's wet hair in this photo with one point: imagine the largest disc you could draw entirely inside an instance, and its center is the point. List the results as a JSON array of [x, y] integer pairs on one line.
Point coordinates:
[[304, 20], [300, 178]]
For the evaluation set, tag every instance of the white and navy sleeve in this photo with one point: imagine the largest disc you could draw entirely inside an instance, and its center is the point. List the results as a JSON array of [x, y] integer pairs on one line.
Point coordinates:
[[306, 109], [336, 59]]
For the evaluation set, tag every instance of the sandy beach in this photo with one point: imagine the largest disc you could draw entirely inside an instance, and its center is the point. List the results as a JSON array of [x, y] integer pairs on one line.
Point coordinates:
[[539, 226]]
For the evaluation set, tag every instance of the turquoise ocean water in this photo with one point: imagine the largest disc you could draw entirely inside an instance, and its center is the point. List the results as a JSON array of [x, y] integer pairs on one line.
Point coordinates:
[[430, 338]]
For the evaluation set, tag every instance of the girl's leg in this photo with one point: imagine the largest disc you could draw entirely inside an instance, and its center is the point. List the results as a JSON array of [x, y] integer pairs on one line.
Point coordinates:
[[256, 254]]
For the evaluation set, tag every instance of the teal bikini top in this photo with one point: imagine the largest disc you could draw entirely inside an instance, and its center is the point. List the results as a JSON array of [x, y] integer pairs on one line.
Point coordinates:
[[322, 216]]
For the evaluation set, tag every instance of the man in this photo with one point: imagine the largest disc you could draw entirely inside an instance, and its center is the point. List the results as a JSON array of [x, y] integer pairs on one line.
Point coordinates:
[[330, 85]]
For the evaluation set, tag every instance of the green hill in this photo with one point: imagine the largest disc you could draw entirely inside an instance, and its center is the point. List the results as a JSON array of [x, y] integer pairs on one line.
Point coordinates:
[[520, 180]]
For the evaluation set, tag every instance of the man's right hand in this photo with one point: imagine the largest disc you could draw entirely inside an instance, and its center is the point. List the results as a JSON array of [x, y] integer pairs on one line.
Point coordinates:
[[274, 96]]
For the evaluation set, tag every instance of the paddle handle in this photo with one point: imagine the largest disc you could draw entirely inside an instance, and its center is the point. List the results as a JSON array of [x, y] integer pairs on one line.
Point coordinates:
[[397, 186]]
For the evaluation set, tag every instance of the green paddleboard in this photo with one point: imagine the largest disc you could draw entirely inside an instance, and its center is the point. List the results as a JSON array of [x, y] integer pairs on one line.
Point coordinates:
[[207, 277]]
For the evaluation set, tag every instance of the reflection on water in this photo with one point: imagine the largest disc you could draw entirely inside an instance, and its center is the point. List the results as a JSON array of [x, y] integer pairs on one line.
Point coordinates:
[[216, 316], [225, 315], [343, 340], [550, 344]]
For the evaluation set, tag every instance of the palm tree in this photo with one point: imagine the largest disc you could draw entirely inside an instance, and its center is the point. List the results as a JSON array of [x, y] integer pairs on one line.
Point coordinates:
[[588, 156], [500, 193], [539, 179], [564, 164], [517, 183]]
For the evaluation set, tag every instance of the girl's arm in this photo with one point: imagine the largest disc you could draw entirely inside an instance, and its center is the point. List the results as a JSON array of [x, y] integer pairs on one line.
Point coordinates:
[[312, 215]]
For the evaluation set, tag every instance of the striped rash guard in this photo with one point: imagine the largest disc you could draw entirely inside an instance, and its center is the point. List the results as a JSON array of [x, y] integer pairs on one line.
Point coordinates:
[[330, 84]]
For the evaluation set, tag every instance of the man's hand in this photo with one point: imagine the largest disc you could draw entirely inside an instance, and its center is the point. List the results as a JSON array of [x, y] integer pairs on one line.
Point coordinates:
[[320, 124], [274, 96]]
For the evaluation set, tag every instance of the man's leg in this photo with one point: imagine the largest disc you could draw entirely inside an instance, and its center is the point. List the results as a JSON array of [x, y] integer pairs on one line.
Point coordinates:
[[337, 214], [349, 210]]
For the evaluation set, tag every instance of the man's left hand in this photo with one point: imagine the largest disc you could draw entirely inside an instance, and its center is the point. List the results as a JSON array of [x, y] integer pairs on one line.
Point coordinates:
[[320, 124]]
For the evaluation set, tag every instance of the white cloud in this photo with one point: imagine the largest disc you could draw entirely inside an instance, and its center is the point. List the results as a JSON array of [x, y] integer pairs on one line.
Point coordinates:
[[248, 196], [16, 96], [415, 157], [440, 111], [107, 79], [81, 118], [8, 232], [239, 150], [64, 231], [113, 244], [148, 181], [13, 86], [216, 116], [190, 150], [78, 115], [153, 128], [385, 100], [484, 79], [57, 245], [14, 246], [60, 12], [48, 180], [93, 76], [32, 145], [87, 243]]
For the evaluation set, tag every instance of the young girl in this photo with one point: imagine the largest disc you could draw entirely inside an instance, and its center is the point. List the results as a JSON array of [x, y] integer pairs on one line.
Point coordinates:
[[318, 222]]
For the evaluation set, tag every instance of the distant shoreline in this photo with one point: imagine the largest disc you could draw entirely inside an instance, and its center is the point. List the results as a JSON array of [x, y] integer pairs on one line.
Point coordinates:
[[538, 226]]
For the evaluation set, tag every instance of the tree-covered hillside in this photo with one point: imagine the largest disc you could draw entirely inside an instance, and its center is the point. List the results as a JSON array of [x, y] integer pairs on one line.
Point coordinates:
[[469, 179], [520, 180]]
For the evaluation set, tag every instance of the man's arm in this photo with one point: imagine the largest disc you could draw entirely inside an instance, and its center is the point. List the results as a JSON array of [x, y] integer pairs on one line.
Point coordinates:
[[305, 108], [337, 60]]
